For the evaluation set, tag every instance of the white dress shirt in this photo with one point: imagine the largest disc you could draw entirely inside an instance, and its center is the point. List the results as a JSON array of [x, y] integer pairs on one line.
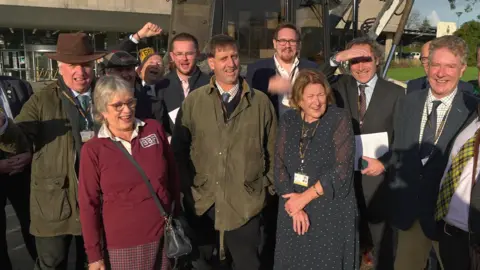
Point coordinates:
[[442, 111], [459, 205], [369, 87], [233, 92], [290, 75]]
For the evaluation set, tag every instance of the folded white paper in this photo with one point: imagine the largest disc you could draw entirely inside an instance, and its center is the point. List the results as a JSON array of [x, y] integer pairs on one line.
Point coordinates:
[[373, 145], [173, 114]]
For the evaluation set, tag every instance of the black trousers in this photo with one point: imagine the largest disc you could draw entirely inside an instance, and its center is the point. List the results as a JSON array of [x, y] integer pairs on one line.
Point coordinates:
[[454, 247], [17, 189], [242, 245], [376, 234], [53, 252]]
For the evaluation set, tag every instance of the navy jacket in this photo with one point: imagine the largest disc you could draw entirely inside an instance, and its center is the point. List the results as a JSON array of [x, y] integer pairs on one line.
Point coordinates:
[[172, 96], [260, 72]]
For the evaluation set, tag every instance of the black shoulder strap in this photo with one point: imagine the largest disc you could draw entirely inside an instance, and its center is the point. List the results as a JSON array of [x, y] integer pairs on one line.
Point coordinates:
[[144, 177]]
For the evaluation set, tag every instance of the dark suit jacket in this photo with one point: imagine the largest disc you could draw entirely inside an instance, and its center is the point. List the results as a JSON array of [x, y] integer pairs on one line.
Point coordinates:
[[149, 107], [17, 92], [371, 191], [260, 72], [414, 188], [422, 83], [173, 93]]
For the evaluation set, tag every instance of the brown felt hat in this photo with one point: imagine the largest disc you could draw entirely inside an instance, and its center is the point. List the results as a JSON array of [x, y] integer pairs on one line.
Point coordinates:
[[74, 48]]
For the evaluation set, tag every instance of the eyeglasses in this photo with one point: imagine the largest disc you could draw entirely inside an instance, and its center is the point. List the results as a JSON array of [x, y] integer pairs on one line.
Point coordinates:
[[184, 54], [424, 59], [284, 41], [131, 104]]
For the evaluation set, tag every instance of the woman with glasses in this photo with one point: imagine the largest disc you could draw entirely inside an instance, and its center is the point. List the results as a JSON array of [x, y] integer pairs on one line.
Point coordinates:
[[113, 197]]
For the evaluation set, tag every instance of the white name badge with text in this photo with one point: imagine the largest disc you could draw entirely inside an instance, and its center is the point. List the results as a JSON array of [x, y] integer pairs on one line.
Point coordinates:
[[300, 179], [86, 135]]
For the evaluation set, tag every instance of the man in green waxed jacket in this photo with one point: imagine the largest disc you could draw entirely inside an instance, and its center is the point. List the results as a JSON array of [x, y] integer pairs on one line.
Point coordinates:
[[224, 145], [55, 122]]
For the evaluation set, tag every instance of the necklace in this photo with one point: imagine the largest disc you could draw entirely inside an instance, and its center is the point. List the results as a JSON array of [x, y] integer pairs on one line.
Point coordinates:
[[305, 139]]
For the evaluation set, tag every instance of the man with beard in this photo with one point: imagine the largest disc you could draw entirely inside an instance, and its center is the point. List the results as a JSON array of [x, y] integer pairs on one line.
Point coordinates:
[[55, 122], [149, 99], [182, 80], [276, 75], [370, 100]]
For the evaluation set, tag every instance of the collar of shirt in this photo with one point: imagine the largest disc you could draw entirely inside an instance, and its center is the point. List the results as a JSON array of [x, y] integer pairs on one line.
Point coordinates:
[[104, 132], [232, 91], [370, 84], [446, 101], [283, 72], [76, 94]]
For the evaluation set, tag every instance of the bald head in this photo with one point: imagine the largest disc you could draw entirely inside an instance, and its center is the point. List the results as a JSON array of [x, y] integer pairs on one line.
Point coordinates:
[[425, 49], [424, 55]]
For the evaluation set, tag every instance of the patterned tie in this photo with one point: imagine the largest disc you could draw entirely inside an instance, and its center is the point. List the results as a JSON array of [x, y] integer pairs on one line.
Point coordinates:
[[429, 131], [225, 97], [453, 176], [362, 103], [84, 102]]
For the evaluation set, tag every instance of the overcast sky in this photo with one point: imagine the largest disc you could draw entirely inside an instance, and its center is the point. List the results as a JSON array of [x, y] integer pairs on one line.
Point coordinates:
[[439, 10]]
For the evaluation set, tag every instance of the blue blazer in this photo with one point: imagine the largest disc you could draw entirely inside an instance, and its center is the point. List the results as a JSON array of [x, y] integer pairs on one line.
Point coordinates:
[[260, 72]]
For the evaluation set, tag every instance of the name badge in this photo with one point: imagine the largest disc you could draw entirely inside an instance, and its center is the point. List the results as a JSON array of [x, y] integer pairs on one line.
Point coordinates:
[[300, 179], [87, 135]]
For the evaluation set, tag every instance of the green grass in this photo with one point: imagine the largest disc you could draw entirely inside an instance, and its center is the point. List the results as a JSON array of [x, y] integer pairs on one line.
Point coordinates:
[[405, 74]]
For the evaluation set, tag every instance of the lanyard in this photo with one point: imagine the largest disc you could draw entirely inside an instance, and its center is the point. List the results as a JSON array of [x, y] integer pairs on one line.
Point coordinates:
[[304, 136], [79, 108], [292, 73], [442, 123]]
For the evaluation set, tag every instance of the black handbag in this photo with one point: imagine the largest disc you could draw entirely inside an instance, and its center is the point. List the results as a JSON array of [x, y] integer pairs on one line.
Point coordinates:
[[177, 243]]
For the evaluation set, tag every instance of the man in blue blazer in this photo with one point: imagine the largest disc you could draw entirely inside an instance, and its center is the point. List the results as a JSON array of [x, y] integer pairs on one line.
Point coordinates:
[[276, 74]]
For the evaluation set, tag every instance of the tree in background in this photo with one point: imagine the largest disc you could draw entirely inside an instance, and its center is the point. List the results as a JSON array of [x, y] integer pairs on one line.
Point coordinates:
[[469, 5], [413, 21], [426, 25], [470, 32]]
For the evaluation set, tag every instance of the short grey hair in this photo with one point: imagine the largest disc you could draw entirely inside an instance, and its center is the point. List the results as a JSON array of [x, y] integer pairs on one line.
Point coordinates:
[[377, 49], [454, 44], [107, 87]]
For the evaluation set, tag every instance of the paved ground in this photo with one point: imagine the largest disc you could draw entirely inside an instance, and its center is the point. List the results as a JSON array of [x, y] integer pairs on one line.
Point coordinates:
[[16, 248]]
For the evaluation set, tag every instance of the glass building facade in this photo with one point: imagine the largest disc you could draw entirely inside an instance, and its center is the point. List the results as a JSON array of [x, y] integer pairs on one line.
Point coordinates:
[[22, 51]]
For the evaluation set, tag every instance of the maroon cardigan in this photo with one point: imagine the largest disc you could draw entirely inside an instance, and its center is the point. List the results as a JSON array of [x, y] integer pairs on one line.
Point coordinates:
[[129, 215]]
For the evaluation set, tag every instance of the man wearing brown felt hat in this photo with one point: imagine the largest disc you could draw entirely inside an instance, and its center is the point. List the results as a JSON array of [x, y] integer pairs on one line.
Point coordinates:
[[55, 122]]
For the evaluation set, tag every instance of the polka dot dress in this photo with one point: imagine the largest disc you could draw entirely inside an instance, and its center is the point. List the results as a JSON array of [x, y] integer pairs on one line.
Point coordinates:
[[331, 242]]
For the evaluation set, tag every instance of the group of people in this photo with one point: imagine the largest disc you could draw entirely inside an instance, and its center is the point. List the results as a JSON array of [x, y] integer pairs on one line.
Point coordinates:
[[263, 167]]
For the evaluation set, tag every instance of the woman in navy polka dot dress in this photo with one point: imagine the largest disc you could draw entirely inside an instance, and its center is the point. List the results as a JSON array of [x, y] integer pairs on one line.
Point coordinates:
[[316, 227]]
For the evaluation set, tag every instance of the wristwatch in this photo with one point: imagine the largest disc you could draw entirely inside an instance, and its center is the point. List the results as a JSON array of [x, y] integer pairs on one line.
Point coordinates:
[[333, 60]]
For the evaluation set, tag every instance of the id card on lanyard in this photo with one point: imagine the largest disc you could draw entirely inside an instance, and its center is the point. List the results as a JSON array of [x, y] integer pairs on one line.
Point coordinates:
[[87, 132]]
